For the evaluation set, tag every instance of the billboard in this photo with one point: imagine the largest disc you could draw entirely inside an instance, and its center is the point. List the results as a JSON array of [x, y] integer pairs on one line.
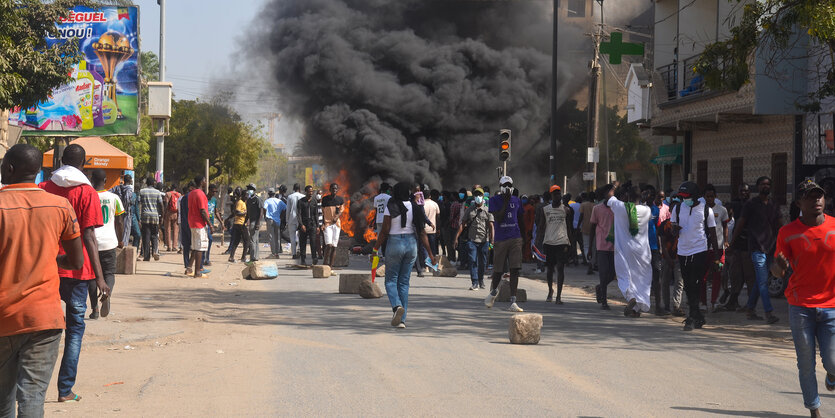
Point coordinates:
[[102, 97]]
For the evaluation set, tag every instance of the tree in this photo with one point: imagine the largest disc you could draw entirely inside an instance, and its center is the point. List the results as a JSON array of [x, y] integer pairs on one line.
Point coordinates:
[[772, 25], [214, 131], [272, 168], [29, 68]]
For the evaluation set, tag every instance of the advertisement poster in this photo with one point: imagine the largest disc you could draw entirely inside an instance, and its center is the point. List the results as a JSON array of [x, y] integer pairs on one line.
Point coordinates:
[[102, 98]]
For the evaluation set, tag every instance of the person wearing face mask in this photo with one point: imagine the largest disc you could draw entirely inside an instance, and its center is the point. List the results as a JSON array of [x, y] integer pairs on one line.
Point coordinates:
[[478, 223], [507, 250], [761, 218], [696, 226]]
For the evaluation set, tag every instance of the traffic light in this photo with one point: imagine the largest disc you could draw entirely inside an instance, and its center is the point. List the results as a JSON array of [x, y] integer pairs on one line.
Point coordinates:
[[504, 145]]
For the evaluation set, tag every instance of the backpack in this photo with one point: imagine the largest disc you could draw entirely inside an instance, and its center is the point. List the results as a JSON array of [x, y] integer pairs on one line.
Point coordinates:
[[678, 217]]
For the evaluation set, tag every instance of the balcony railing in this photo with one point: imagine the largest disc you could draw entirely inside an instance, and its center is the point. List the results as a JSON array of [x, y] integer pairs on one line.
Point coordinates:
[[694, 83], [669, 73]]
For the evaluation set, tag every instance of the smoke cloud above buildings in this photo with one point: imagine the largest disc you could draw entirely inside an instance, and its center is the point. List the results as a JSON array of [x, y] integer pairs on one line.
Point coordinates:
[[415, 90]]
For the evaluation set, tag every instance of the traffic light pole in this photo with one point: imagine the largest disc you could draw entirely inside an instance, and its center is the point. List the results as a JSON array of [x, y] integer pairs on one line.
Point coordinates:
[[552, 162]]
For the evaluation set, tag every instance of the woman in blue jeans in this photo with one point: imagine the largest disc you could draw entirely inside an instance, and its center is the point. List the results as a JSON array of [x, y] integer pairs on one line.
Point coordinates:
[[403, 227]]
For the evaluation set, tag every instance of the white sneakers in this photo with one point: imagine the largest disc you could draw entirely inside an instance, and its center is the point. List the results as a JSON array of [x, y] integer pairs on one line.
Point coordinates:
[[491, 298], [515, 308], [401, 325], [396, 319]]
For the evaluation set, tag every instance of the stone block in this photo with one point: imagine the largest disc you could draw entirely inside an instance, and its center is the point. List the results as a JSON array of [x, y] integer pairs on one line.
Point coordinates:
[[263, 270], [321, 271], [350, 283], [446, 268], [369, 290], [245, 273], [126, 260], [340, 258], [525, 328], [504, 293], [381, 272]]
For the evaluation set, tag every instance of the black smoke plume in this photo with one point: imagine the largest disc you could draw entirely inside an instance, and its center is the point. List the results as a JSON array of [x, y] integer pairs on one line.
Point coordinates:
[[417, 90]]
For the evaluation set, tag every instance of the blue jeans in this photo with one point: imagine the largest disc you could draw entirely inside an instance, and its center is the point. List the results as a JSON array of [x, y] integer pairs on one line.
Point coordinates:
[[401, 252], [809, 325], [209, 250], [74, 294], [478, 254], [26, 363], [761, 262]]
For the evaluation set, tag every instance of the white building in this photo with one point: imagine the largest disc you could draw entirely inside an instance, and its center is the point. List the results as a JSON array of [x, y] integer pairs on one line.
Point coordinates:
[[724, 137]]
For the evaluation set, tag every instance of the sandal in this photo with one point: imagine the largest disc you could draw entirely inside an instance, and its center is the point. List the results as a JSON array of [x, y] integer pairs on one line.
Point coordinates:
[[72, 397]]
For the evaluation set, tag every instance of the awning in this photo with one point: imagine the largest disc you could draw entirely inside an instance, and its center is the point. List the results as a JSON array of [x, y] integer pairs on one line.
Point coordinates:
[[669, 154], [100, 154]]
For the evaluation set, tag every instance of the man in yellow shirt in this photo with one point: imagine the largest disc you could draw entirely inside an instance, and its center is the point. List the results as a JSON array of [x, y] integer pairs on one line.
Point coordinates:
[[239, 232]]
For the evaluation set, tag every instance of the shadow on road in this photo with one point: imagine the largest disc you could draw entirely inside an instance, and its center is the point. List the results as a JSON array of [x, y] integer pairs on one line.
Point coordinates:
[[438, 308], [729, 412]]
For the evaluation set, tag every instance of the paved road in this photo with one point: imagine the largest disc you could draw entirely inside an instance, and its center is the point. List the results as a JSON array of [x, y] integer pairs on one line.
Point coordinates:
[[338, 355], [219, 346]]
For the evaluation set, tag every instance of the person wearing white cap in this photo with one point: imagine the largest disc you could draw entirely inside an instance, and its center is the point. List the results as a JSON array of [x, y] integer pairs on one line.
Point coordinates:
[[507, 248]]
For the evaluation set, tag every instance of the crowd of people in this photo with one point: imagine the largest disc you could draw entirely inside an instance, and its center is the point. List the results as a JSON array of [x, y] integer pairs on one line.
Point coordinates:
[[63, 235]]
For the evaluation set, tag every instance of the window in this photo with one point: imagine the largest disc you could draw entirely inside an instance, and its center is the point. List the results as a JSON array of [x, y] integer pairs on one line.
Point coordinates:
[[779, 176], [701, 174], [577, 8], [736, 177]]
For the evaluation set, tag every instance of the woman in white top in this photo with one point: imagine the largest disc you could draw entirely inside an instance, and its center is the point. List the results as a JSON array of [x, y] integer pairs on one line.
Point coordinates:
[[403, 226]]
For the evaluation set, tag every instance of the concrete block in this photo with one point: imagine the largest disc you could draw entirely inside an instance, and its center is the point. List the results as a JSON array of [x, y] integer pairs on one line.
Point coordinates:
[[381, 272], [525, 328], [350, 283], [245, 273], [263, 270], [126, 260], [340, 258], [321, 271], [504, 293], [369, 290]]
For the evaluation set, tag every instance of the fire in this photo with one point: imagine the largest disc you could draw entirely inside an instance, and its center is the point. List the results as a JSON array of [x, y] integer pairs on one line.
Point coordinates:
[[349, 220]]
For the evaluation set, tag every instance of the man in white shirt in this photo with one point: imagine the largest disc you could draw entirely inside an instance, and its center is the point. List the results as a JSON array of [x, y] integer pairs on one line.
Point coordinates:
[[633, 258], [696, 226], [109, 237], [293, 217]]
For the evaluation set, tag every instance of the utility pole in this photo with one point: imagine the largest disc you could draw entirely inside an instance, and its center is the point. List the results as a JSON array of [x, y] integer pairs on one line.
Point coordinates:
[[593, 141], [554, 120], [161, 138]]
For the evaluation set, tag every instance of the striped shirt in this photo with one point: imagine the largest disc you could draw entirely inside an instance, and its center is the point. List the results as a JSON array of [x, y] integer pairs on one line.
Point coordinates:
[[151, 205]]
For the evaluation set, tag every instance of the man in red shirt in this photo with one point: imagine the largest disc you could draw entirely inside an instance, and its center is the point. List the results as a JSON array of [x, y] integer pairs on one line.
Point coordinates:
[[198, 222], [69, 182], [32, 223], [808, 246]]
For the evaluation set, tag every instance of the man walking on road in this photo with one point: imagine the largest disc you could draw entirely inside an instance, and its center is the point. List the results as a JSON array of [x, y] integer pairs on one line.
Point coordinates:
[[479, 225], [308, 225], [696, 226], [760, 218], [273, 210], [198, 222], [554, 227], [332, 206], [293, 218], [69, 182], [171, 222], [633, 259], [151, 208], [380, 202], [507, 212], [32, 224], [602, 220], [254, 214], [808, 247], [108, 238]]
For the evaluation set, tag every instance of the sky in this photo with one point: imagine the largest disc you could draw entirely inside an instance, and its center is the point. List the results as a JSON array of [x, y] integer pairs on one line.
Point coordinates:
[[201, 37]]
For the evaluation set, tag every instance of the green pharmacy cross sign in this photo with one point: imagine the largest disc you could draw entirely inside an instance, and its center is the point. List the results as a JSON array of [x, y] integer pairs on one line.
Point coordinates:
[[616, 48]]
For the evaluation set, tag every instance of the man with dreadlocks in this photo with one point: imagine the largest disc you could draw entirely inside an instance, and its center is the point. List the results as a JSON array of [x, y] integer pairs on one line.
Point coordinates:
[[633, 260]]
